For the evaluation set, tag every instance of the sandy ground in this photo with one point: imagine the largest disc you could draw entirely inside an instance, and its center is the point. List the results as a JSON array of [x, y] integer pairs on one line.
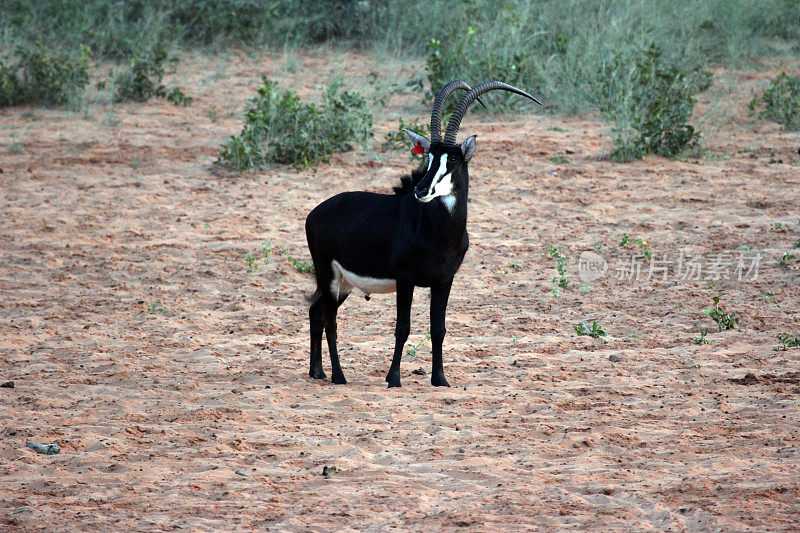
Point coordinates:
[[116, 210]]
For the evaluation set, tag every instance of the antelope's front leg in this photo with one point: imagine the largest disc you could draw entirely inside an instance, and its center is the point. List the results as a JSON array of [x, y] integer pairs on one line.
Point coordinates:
[[405, 294], [439, 296]]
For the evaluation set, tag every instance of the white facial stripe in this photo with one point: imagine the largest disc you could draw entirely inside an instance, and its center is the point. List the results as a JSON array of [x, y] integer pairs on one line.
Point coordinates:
[[430, 160], [440, 174], [441, 184]]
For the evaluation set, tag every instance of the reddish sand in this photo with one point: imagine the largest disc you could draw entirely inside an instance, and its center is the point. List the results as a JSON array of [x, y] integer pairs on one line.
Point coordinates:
[[155, 412]]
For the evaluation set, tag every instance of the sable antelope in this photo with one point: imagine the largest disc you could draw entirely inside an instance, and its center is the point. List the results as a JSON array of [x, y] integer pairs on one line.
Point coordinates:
[[381, 243]]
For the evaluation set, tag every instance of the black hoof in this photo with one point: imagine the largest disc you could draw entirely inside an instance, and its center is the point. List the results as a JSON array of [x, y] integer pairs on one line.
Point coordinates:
[[439, 381], [339, 380], [317, 373], [393, 379]]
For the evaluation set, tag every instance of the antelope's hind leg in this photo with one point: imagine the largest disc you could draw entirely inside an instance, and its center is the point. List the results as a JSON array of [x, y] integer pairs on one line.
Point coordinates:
[[330, 307], [315, 318]]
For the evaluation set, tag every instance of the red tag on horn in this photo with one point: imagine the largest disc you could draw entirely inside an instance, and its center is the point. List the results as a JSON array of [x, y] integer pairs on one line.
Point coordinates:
[[418, 149]]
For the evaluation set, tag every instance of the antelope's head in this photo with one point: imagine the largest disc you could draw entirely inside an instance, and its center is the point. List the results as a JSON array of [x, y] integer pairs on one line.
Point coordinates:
[[447, 172]]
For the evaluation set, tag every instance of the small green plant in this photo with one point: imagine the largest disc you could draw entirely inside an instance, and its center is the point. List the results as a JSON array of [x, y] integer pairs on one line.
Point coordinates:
[[644, 250], [38, 74], [724, 320], [514, 340], [625, 240], [779, 227], [397, 140], [770, 296], [650, 104], [785, 258], [559, 160], [598, 247], [212, 113], [561, 266], [593, 331], [780, 102], [279, 128], [252, 263], [265, 254], [178, 97], [155, 309], [304, 267], [702, 338], [142, 80], [797, 244], [411, 351], [788, 341]]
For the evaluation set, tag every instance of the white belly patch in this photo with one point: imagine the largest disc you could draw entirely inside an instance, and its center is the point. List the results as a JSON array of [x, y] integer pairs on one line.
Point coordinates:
[[344, 281]]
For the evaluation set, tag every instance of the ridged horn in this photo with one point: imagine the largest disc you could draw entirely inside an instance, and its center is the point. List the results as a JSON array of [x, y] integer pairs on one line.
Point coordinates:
[[438, 105], [471, 96]]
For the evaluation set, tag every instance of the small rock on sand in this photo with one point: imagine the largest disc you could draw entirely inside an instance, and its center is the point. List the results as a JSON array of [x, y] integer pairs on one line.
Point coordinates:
[[46, 449]]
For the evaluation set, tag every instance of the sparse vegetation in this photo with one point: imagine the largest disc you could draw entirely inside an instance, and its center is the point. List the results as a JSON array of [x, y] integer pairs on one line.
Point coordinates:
[[785, 258], [154, 308], [304, 267], [644, 249], [593, 331], [723, 319], [411, 351], [780, 102], [702, 338], [279, 128], [265, 255], [788, 341], [561, 267]]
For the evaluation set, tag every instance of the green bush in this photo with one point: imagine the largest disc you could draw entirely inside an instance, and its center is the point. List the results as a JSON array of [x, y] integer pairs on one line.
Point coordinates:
[[649, 102], [178, 97], [467, 59], [781, 102], [279, 128], [142, 80], [38, 74]]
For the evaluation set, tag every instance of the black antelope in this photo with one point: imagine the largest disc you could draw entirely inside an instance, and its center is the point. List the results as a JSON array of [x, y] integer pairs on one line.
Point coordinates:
[[381, 243]]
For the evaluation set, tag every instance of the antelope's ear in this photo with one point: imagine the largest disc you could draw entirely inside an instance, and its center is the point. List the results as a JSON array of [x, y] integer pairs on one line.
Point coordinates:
[[468, 148], [419, 142]]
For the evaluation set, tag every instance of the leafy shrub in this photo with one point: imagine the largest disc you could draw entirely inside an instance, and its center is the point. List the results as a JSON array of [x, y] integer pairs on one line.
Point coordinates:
[[593, 331], [466, 59], [142, 80], [178, 97], [650, 103], [723, 319], [781, 102], [279, 128], [41, 75]]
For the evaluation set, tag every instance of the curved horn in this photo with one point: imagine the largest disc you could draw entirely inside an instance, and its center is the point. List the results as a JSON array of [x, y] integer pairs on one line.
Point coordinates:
[[466, 101], [438, 104]]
